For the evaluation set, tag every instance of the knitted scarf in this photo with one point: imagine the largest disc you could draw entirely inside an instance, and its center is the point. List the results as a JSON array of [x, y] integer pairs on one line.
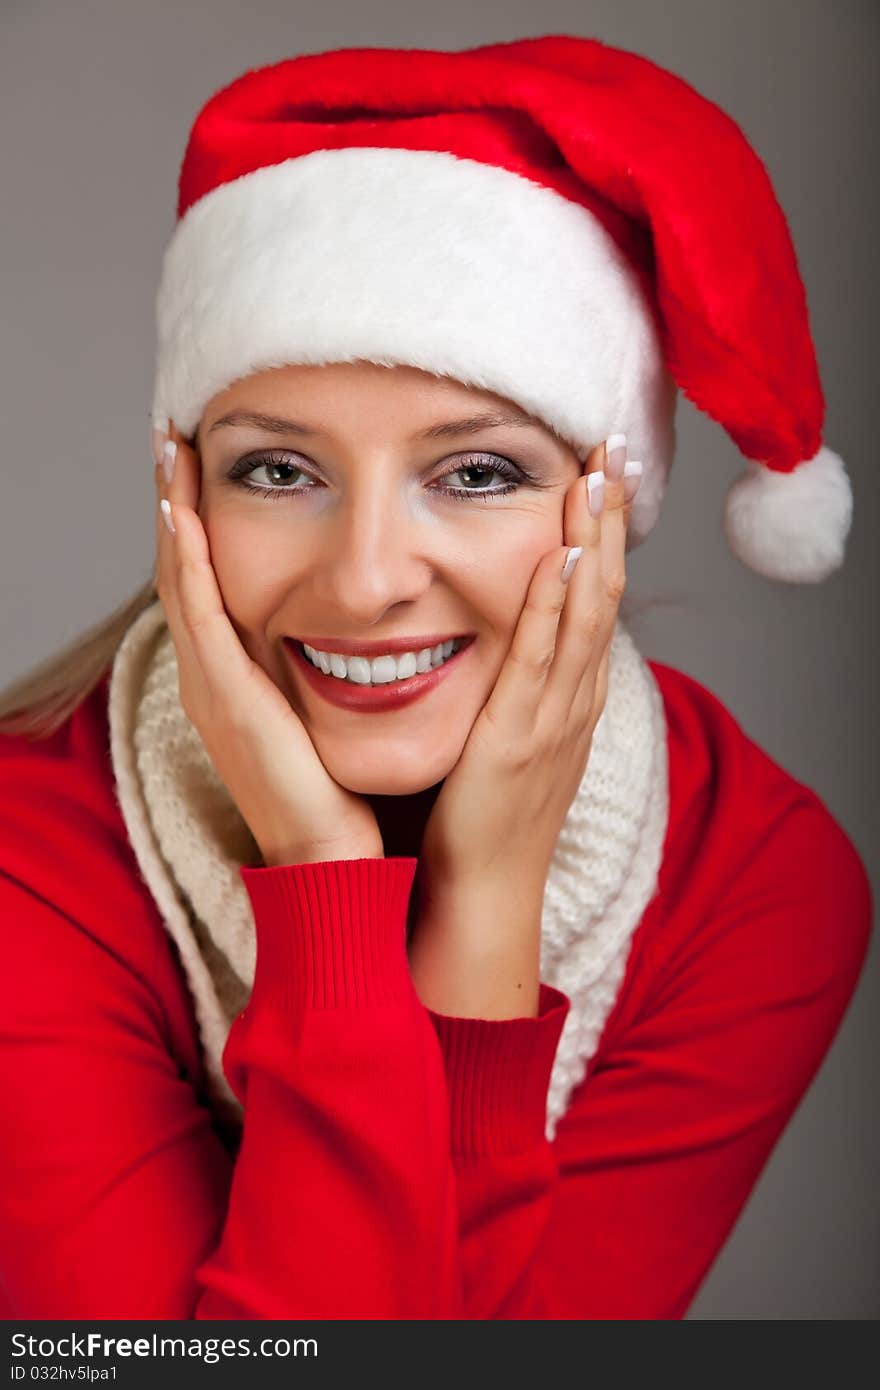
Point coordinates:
[[190, 839]]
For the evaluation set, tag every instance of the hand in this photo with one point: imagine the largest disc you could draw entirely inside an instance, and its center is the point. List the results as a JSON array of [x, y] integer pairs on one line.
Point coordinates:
[[490, 837], [295, 810]]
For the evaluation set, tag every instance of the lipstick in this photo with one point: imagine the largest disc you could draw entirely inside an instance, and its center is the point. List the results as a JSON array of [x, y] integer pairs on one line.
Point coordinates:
[[371, 698]]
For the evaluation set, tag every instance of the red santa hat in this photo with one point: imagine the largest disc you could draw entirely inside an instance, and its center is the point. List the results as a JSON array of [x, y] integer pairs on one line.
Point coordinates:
[[551, 219]]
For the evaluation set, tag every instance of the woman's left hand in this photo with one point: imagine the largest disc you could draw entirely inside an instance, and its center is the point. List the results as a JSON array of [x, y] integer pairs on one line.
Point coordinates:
[[490, 837]]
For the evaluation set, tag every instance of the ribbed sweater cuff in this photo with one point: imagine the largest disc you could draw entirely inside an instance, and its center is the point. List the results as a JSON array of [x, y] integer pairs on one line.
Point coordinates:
[[498, 1073], [331, 934]]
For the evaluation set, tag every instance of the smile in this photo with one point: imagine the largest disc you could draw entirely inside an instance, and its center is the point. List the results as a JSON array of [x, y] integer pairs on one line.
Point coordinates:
[[385, 683], [382, 669]]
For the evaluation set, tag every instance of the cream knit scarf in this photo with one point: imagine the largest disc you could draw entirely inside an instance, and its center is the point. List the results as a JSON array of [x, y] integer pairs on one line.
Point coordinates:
[[190, 839]]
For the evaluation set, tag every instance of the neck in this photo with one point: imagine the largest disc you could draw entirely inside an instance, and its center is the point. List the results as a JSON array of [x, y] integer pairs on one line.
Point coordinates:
[[402, 820]]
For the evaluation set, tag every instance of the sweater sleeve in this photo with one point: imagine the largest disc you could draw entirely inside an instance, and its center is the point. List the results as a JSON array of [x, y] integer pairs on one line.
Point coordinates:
[[117, 1195], [498, 1074], [343, 1197], [622, 1216]]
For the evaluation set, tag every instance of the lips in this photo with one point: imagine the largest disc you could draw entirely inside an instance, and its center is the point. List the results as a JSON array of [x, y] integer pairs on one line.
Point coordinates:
[[371, 698]]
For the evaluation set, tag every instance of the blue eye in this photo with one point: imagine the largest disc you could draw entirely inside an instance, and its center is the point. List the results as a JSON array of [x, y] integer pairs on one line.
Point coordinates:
[[490, 465]]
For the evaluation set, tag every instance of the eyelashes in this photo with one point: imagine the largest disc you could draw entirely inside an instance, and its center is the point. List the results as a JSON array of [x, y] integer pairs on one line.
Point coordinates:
[[513, 475]]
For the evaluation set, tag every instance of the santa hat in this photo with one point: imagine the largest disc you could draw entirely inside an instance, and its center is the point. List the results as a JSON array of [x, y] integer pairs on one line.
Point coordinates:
[[553, 220]]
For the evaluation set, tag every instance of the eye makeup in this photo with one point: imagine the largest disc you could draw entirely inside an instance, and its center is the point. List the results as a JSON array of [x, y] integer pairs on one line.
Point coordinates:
[[513, 475]]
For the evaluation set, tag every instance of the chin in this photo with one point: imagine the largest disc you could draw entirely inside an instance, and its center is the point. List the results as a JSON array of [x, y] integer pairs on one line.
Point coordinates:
[[383, 786], [385, 773]]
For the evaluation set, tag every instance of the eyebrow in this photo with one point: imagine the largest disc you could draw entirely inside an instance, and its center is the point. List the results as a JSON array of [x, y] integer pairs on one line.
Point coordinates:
[[274, 424]]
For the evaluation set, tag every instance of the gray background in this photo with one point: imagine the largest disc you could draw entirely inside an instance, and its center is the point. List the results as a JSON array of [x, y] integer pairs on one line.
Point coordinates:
[[96, 100]]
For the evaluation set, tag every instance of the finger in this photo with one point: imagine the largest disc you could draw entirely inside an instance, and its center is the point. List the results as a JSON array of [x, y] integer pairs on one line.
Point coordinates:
[[210, 655], [578, 518], [182, 473], [178, 480], [165, 576], [590, 615], [581, 621], [514, 704], [533, 663], [588, 698], [164, 545], [613, 538], [186, 480]]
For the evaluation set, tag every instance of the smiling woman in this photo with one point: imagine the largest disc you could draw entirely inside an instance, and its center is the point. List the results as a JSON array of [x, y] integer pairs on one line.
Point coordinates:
[[44, 698], [363, 845], [370, 548]]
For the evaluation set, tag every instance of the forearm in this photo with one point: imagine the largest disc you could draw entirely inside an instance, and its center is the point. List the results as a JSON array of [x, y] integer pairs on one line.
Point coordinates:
[[475, 950], [342, 1083]]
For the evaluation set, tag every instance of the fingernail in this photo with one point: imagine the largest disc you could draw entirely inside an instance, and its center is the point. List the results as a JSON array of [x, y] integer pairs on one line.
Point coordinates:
[[160, 434], [166, 513], [632, 476], [595, 492], [571, 560], [169, 454], [615, 454]]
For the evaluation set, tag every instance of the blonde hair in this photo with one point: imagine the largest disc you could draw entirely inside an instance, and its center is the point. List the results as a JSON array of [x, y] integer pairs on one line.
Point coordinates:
[[40, 701]]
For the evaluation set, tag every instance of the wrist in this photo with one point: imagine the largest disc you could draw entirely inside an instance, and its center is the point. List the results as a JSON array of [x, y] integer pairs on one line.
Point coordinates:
[[317, 854], [474, 951]]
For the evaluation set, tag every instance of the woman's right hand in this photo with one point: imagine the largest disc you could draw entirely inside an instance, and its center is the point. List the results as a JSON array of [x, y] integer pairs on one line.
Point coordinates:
[[296, 812]]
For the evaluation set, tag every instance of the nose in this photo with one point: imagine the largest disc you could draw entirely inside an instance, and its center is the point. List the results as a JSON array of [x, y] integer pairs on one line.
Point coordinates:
[[371, 551]]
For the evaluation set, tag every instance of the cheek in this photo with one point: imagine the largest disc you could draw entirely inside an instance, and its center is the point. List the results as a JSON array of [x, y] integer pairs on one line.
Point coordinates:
[[498, 573], [250, 563], [255, 565]]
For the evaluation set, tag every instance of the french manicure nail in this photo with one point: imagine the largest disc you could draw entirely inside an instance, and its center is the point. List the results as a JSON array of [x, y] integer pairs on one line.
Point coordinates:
[[165, 506], [595, 492], [615, 454], [169, 454], [160, 434], [571, 560], [632, 476]]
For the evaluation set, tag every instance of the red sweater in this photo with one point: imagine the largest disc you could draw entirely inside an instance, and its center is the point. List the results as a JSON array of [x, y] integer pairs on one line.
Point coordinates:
[[393, 1162]]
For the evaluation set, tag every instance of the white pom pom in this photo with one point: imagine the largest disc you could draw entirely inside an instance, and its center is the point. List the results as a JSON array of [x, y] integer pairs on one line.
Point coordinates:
[[791, 526]]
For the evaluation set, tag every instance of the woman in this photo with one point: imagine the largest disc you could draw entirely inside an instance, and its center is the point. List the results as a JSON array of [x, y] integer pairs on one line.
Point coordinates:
[[478, 983]]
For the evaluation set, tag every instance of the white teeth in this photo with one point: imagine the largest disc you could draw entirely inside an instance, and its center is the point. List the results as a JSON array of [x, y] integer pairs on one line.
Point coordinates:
[[382, 669]]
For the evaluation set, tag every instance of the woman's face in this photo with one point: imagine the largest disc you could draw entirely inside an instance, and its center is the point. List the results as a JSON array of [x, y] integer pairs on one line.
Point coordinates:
[[361, 539]]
